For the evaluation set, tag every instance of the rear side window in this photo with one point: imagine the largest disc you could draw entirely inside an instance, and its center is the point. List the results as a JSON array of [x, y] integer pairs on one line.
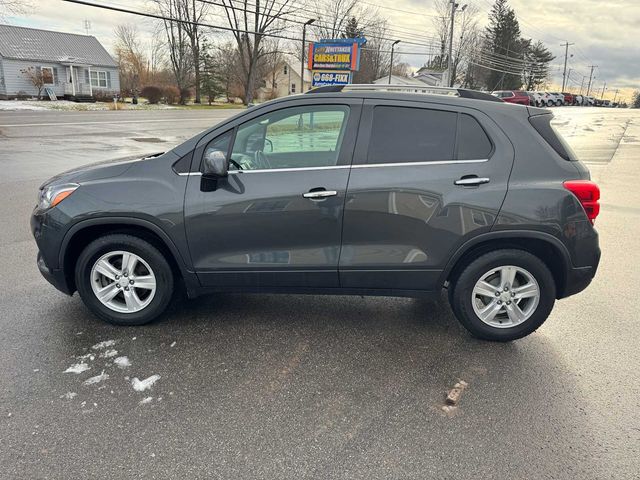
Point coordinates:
[[542, 124], [473, 143], [405, 134]]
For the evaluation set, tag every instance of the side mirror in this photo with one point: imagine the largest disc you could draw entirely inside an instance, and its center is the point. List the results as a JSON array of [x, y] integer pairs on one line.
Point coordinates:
[[215, 164]]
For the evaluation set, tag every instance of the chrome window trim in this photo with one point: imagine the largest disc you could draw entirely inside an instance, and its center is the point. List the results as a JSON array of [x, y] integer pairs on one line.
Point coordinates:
[[410, 164], [266, 170], [340, 167]]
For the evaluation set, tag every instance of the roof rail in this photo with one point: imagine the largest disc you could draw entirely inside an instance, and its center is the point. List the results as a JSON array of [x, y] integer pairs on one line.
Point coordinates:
[[416, 89]]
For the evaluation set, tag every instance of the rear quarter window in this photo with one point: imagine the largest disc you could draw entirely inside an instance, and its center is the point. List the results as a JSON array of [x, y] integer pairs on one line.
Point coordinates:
[[542, 124], [473, 142]]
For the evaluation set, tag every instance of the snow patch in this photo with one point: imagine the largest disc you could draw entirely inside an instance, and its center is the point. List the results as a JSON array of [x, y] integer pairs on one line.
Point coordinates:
[[172, 345], [145, 400], [87, 356], [109, 353], [78, 368], [96, 379], [122, 362], [104, 344], [142, 385], [69, 395]]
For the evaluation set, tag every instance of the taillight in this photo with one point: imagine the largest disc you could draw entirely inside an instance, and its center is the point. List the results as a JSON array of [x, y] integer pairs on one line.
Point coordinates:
[[588, 193]]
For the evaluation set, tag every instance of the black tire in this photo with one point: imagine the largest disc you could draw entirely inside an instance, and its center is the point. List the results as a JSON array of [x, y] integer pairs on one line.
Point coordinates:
[[150, 254], [461, 296]]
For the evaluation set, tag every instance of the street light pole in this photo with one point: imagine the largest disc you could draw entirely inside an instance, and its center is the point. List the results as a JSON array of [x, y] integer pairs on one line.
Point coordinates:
[[454, 7], [391, 65], [304, 34]]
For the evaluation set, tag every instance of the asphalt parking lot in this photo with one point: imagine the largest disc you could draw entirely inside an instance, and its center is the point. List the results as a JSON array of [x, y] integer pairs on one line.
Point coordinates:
[[267, 386]]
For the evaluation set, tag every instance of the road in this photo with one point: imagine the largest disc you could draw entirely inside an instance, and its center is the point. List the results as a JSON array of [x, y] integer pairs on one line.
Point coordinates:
[[267, 386]]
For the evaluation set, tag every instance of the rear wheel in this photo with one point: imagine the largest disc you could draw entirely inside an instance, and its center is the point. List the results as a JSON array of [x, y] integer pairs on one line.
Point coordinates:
[[503, 295], [124, 280]]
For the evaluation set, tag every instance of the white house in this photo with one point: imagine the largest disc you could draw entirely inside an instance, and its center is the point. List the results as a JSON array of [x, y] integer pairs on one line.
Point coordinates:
[[283, 80], [74, 66]]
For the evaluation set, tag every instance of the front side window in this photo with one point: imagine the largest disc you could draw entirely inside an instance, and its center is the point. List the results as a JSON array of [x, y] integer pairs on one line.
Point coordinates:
[[299, 137], [98, 79], [406, 134]]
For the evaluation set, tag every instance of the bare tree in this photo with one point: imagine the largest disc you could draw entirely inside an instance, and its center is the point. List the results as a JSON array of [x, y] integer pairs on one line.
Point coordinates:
[[252, 21], [194, 12], [132, 63], [178, 44], [335, 15], [38, 78]]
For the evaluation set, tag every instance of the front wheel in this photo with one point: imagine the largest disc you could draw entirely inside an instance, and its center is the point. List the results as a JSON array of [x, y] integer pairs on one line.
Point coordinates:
[[124, 280], [503, 295]]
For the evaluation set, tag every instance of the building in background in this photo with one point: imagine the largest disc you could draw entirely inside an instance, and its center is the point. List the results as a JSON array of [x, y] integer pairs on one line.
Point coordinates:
[[283, 80], [76, 67]]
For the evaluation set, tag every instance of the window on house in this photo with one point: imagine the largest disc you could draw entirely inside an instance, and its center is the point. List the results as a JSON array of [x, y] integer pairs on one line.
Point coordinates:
[[286, 69], [98, 79], [293, 88], [47, 75]]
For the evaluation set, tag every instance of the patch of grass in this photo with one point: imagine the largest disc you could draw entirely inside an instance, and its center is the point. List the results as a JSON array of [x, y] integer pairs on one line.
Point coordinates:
[[205, 106]]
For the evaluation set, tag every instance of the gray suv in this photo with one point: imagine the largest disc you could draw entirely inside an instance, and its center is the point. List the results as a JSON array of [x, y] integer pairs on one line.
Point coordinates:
[[347, 192]]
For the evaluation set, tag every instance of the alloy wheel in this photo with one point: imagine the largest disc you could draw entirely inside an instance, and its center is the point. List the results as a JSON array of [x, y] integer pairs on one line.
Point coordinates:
[[123, 281], [505, 296]]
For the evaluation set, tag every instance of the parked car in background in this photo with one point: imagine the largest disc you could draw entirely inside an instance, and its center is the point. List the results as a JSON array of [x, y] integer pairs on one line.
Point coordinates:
[[590, 101], [579, 100], [555, 98], [569, 98], [540, 99], [335, 193], [513, 96]]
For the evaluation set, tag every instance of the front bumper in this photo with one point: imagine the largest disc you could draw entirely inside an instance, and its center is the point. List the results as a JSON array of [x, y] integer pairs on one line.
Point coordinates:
[[55, 277], [48, 237]]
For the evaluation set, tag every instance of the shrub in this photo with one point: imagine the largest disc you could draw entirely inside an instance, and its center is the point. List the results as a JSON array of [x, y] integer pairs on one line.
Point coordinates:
[[103, 96], [171, 94], [152, 93]]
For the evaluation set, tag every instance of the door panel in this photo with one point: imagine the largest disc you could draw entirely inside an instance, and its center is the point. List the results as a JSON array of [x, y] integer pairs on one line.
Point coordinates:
[[403, 220], [256, 228]]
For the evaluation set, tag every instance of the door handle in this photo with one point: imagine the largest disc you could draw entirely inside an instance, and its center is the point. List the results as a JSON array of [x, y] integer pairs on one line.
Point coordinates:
[[471, 181], [320, 194]]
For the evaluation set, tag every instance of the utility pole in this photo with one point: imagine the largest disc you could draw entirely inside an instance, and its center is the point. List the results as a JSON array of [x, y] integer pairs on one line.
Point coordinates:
[[616, 95], [604, 87], [566, 54], [454, 7], [391, 65], [304, 33], [590, 77], [582, 83]]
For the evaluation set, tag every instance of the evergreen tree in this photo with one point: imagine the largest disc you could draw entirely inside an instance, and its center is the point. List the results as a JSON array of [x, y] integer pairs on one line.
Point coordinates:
[[506, 47], [211, 83], [352, 29], [635, 102], [537, 58]]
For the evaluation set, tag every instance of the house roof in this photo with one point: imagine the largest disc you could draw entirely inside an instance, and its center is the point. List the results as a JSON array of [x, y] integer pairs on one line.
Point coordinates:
[[45, 45]]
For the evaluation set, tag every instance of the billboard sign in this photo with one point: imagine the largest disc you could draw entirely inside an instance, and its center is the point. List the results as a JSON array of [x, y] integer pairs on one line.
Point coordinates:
[[335, 55], [321, 78]]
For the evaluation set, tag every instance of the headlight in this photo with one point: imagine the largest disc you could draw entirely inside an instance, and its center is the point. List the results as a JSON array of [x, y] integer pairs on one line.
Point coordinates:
[[51, 196]]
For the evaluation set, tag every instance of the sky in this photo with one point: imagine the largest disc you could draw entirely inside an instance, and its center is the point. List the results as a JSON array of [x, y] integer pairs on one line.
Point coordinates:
[[604, 33]]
